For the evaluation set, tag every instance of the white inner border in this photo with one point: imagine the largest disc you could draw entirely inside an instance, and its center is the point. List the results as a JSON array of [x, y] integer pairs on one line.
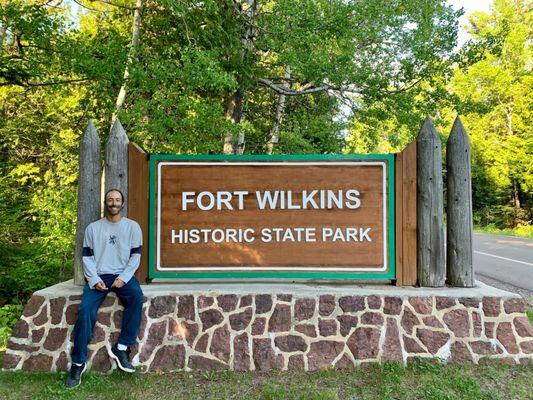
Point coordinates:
[[252, 268]]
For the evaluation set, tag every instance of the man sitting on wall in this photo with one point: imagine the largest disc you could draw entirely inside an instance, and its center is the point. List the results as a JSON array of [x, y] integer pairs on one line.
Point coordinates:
[[111, 254]]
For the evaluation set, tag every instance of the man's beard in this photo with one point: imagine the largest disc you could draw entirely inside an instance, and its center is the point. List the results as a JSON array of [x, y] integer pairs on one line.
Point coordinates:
[[113, 210]]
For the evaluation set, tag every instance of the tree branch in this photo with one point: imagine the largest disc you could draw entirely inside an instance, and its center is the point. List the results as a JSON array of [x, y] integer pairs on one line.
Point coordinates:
[[39, 84]]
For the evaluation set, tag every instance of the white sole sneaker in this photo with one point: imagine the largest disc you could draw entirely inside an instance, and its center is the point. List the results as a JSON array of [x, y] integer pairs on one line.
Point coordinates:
[[114, 357]]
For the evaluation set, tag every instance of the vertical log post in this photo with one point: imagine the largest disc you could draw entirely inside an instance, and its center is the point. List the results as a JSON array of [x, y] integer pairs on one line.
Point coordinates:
[[116, 161], [88, 193], [406, 216], [430, 254], [138, 181], [460, 270]]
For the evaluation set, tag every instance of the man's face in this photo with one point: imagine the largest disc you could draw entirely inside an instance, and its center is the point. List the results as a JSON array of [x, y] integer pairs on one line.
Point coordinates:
[[113, 203]]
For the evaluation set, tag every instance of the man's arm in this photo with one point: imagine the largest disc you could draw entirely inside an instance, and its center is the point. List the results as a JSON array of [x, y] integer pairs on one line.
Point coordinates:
[[89, 262], [135, 255]]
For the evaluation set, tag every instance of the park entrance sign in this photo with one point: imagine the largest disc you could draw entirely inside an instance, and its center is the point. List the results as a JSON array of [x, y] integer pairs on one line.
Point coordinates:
[[287, 217]]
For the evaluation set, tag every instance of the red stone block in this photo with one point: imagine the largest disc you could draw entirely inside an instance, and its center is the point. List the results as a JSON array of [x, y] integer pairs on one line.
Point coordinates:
[[458, 322], [296, 363], [109, 300], [476, 323], [374, 302], [290, 343], [491, 306], [21, 347], [104, 318], [206, 364], [38, 363], [422, 305], [101, 360], [352, 303], [347, 322], [57, 310], [72, 313], [240, 321], [241, 353], [433, 340], [307, 329], [322, 353], [304, 309], [444, 302], [98, 335], [245, 301], [470, 301], [364, 343], [280, 321], [489, 330], [409, 321], [62, 362], [432, 321], [523, 327], [227, 302], [485, 348], [156, 335], [514, 306], [220, 344], [186, 307], [20, 330], [326, 305], [327, 327], [11, 361], [505, 335], [344, 363], [161, 305], [205, 301], [527, 347], [37, 335], [201, 344], [392, 348], [33, 306], [264, 356], [55, 339], [258, 327], [263, 303], [42, 318], [210, 318], [169, 358], [460, 353], [372, 318], [284, 297], [411, 346], [393, 305]]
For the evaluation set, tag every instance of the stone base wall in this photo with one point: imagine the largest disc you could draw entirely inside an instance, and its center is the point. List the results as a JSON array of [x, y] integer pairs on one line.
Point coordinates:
[[305, 330]]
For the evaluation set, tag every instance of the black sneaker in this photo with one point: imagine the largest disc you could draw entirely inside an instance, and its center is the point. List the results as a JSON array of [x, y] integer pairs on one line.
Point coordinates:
[[74, 375], [122, 357]]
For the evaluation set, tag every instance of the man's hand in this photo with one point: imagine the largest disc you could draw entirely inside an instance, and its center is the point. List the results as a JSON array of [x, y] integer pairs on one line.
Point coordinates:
[[118, 283], [100, 286]]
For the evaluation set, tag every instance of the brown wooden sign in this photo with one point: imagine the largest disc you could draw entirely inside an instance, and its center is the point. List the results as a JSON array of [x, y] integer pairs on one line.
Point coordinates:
[[316, 216]]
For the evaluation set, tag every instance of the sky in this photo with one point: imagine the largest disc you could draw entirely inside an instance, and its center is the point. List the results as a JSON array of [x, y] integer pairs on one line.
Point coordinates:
[[468, 6]]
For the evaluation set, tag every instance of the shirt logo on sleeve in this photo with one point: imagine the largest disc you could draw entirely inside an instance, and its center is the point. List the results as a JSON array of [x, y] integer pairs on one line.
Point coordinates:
[[112, 240]]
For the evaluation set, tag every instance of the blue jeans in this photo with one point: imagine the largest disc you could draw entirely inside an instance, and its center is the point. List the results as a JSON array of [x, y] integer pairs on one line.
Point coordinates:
[[131, 296]]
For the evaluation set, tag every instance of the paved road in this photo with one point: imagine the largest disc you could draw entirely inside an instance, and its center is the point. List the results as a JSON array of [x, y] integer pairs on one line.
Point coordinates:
[[506, 260]]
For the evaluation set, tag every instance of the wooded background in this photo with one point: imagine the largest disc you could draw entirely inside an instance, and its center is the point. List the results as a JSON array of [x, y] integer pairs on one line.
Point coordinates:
[[254, 77]]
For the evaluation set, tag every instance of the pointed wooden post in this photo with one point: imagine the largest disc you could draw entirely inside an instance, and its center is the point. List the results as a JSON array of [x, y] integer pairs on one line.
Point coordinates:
[[430, 253], [88, 193], [116, 161], [460, 270]]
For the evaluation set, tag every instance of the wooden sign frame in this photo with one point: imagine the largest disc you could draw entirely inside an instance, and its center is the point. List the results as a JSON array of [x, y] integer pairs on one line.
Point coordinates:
[[271, 273]]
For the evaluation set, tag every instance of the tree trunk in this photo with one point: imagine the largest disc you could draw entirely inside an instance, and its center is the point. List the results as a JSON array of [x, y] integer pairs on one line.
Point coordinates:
[[235, 104], [131, 55], [273, 138]]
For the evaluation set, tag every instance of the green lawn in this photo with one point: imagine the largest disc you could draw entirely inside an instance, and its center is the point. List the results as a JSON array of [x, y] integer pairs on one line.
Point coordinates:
[[420, 380]]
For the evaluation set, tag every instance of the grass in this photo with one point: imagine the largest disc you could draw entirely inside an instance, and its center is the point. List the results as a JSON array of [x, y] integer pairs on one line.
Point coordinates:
[[419, 380], [525, 231]]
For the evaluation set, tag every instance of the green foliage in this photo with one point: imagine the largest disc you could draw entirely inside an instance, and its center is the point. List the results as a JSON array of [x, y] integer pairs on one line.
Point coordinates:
[[9, 315]]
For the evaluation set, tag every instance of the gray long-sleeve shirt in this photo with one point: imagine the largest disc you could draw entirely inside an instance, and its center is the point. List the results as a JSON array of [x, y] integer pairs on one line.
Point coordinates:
[[111, 248]]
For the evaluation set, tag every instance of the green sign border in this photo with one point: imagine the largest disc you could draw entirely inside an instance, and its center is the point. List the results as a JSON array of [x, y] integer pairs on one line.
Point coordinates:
[[272, 275]]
